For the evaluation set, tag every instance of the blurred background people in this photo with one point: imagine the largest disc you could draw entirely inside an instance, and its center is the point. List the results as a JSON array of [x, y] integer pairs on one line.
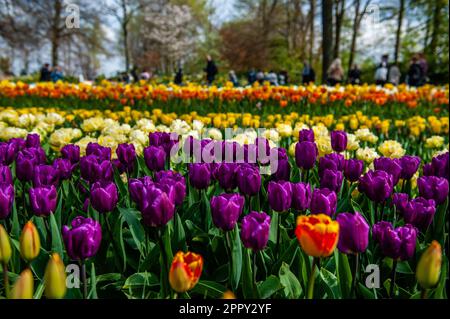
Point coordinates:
[[354, 75], [308, 74], [394, 74], [335, 73], [45, 73], [56, 74], [210, 70]]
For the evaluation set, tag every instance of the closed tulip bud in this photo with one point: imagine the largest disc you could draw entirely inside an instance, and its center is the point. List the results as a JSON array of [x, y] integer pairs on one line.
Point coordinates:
[[102, 153], [199, 175], [226, 209], [432, 187], [55, 278], [33, 140], [185, 271], [331, 179], [306, 154], [353, 169], [391, 166], [429, 267], [318, 235], [5, 246], [306, 135], [228, 295], [71, 152], [104, 196], [338, 141], [43, 200], [155, 158], [279, 195], [248, 179], [126, 154], [6, 200], [5, 175], [255, 230], [24, 286], [30, 243]]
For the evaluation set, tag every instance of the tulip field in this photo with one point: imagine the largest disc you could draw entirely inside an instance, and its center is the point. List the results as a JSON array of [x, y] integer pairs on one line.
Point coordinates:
[[151, 191]]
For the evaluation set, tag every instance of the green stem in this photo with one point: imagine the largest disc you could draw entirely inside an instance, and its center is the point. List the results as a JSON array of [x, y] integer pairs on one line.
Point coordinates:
[[278, 235], [6, 279], [423, 294], [229, 250], [164, 261], [355, 274], [254, 269], [394, 271], [84, 279], [310, 293]]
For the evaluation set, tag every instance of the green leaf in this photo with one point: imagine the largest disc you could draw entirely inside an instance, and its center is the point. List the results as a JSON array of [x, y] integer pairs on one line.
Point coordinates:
[[132, 218], [273, 227], [139, 284], [330, 283], [345, 275], [210, 289], [93, 284], [118, 229], [403, 267], [179, 234], [236, 258], [39, 291], [268, 287], [57, 245], [365, 292], [289, 281]]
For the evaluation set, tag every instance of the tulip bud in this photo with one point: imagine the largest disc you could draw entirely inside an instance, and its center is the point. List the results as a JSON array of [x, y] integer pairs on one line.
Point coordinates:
[[185, 271], [5, 246], [30, 243], [24, 286], [55, 278], [228, 295], [429, 266]]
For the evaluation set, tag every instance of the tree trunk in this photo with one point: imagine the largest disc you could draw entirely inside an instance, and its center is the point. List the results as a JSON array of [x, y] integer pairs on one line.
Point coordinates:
[[327, 36], [436, 23], [311, 30], [399, 30], [125, 20], [339, 14], [55, 37], [354, 34]]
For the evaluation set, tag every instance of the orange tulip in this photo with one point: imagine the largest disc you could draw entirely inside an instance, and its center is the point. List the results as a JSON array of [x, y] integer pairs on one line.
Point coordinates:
[[317, 234], [185, 271]]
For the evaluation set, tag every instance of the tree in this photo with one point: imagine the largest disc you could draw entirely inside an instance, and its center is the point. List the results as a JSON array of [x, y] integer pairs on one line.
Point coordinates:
[[398, 35], [359, 14], [339, 17], [327, 36]]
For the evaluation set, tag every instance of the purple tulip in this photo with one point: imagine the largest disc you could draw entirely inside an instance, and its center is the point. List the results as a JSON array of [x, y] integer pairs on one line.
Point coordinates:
[[280, 167], [410, 165], [262, 150], [6, 200], [353, 169], [102, 153], [419, 212], [104, 196], [71, 152], [127, 156], [391, 166], [306, 135], [398, 243], [433, 187], [7, 153], [199, 175], [400, 200], [157, 205], [279, 195], [45, 175], [174, 179], [306, 154], [63, 167], [333, 161], [255, 230], [84, 239], [338, 141], [5, 175], [323, 201], [331, 179], [155, 158], [165, 140], [353, 233], [33, 140], [439, 166], [301, 196], [26, 160], [43, 199], [248, 179], [94, 170], [377, 185], [136, 187], [226, 175], [226, 209], [19, 143]]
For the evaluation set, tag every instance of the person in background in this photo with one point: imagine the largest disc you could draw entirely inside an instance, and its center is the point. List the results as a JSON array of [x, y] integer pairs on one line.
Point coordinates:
[[233, 78], [178, 80], [394, 74], [56, 74], [134, 74], [381, 74], [415, 73], [145, 75], [422, 60], [251, 76], [260, 76], [45, 73], [335, 73], [211, 70], [308, 74], [283, 77], [272, 78], [354, 75]]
